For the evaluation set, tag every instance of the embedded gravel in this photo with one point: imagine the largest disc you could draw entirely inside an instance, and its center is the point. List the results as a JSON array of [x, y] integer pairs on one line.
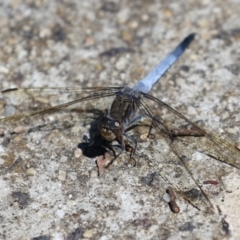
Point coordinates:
[[49, 189]]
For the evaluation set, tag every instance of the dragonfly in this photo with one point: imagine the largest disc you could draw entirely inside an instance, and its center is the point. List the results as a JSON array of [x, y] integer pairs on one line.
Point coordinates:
[[131, 111]]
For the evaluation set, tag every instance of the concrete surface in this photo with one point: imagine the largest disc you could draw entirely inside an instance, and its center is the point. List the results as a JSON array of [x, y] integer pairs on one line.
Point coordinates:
[[48, 189]]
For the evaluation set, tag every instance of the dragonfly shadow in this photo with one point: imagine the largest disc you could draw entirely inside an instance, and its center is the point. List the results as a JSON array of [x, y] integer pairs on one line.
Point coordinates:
[[94, 145]]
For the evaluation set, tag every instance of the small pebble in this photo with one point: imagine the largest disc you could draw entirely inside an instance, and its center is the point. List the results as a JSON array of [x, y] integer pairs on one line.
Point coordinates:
[[18, 129], [145, 17], [4, 70], [123, 15], [22, 54], [133, 24], [62, 175], [231, 130], [63, 159], [89, 233], [89, 41], [168, 13], [191, 111], [15, 204], [144, 136], [104, 237], [60, 213], [2, 161], [126, 35], [78, 153], [72, 176], [31, 172], [17, 138], [121, 64], [44, 33]]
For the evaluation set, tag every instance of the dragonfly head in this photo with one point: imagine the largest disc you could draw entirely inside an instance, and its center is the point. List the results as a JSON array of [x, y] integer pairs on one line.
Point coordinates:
[[109, 128]]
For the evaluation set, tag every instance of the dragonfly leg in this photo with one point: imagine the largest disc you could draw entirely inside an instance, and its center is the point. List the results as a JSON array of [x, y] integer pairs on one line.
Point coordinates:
[[142, 120], [131, 149], [114, 153], [151, 135], [106, 159]]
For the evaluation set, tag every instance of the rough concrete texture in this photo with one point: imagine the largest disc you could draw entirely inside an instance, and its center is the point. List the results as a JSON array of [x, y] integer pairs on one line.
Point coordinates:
[[48, 189]]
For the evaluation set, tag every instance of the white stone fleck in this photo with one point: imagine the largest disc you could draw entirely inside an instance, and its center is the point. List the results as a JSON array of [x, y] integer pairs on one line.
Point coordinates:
[[22, 54], [62, 175], [123, 15], [45, 33], [105, 237], [63, 159], [4, 70], [133, 24], [89, 233], [72, 176], [18, 129], [60, 213], [78, 153], [145, 17], [121, 64], [31, 172], [191, 111], [2, 161]]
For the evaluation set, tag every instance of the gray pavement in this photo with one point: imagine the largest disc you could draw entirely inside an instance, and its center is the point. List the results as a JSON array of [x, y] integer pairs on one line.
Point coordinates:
[[48, 189]]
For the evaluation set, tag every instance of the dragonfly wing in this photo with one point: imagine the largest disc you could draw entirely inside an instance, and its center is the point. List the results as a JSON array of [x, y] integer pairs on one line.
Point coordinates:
[[43, 110], [193, 155], [208, 144], [166, 161], [26, 103]]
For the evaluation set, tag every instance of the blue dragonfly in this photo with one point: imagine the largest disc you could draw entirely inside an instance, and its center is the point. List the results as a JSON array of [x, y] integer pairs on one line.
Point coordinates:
[[128, 111]]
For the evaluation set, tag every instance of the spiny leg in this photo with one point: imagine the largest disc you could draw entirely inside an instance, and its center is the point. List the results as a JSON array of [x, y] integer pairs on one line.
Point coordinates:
[[151, 135], [131, 149], [142, 120]]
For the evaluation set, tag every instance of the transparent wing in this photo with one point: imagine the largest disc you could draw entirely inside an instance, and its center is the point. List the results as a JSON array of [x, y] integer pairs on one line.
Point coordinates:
[[26, 103], [208, 143], [59, 119], [185, 161]]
